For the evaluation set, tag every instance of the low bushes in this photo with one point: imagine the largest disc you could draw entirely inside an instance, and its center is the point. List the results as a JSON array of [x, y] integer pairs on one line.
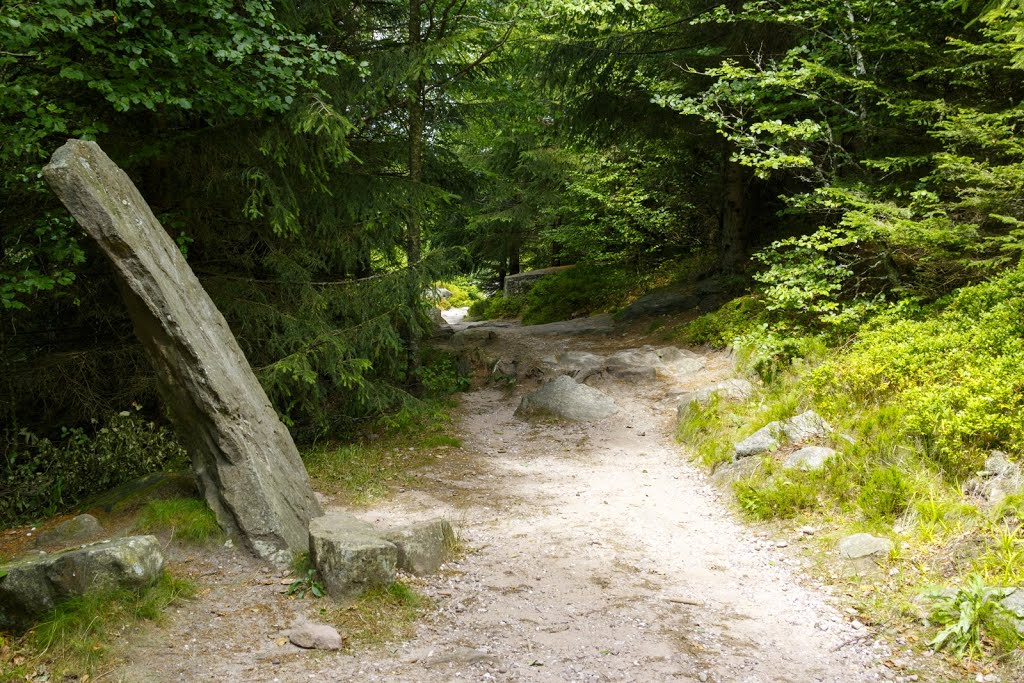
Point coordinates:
[[924, 394], [956, 374], [583, 290], [41, 477]]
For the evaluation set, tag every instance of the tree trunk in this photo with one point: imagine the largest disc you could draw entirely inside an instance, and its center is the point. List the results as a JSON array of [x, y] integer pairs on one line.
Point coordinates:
[[514, 247], [733, 229], [502, 272], [417, 132]]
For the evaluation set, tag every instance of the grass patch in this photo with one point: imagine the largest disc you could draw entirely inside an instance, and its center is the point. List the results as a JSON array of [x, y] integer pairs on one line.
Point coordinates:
[[779, 496], [441, 441], [75, 639], [703, 428], [381, 615], [368, 469], [885, 494], [187, 519]]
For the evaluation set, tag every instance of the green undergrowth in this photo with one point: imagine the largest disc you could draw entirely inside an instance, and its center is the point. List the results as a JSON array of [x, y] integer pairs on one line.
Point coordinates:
[[382, 457], [972, 621], [584, 290], [580, 291], [720, 329], [918, 400], [464, 291], [185, 519], [498, 307], [41, 477], [76, 639]]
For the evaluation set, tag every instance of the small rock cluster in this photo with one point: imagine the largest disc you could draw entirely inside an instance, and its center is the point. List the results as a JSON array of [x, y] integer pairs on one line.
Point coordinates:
[[795, 430], [352, 556], [999, 479], [567, 396]]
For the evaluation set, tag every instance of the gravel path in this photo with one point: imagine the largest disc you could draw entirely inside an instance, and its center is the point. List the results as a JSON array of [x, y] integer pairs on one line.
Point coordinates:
[[596, 554]]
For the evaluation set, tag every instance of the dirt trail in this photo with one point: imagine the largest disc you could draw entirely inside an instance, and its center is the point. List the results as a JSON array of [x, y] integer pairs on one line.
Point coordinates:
[[596, 554]]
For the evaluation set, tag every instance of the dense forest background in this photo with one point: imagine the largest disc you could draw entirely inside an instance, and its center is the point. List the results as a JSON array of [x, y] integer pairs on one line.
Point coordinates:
[[856, 167]]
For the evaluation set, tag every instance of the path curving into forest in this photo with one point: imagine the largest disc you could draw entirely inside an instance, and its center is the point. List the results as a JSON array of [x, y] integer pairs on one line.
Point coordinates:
[[596, 553]]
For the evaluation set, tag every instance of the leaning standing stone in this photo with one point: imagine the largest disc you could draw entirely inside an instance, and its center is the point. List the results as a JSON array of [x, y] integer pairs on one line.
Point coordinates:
[[243, 456]]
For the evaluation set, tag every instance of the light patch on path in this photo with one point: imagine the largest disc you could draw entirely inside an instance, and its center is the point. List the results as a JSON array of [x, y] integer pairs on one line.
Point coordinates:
[[597, 554]]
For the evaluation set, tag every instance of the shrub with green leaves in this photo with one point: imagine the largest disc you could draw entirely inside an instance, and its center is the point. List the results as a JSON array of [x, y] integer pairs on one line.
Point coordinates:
[[582, 290], [955, 374], [464, 293], [439, 374], [720, 329], [497, 306], [40, 476]]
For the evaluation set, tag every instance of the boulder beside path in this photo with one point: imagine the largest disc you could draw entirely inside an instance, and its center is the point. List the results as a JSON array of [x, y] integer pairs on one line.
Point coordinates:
[[32, 586]]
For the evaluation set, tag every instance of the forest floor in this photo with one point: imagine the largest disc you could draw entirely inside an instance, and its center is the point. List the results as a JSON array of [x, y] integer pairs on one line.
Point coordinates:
[[592, 552]]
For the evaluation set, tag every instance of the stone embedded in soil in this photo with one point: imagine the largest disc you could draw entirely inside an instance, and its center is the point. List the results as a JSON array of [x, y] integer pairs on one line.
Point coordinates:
[[648, 363], [34, 585], [728, 473], [462, 655], [1014, 602], [859, 546], [579, 365], [805, 427], [764, 440], [564, 398], [350, 555], [809, 458], [310, 636], [729, 390], [422, 547], [71, 532], [1000, 478]]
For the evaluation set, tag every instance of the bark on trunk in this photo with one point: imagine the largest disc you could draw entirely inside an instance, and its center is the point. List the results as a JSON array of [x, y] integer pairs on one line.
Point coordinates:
[[733, 229], [417, 131]]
